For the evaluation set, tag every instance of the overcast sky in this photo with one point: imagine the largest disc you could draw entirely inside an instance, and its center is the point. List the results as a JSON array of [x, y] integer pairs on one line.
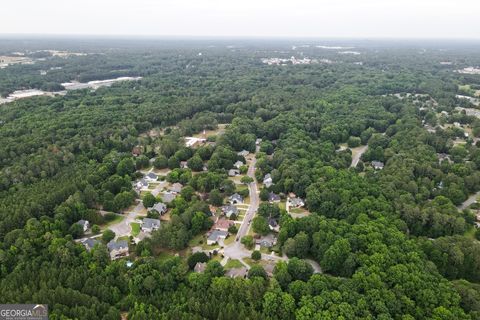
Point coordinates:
[[260, 18]]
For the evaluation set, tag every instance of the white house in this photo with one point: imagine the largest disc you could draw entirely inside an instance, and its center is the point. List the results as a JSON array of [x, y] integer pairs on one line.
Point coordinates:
[[267, 180], [85, 224]]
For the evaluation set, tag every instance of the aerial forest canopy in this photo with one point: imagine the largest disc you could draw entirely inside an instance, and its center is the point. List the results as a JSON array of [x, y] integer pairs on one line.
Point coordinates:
[[381, 144]]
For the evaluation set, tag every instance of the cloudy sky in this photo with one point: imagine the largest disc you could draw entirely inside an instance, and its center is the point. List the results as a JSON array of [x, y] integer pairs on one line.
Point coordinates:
[[259, 18]]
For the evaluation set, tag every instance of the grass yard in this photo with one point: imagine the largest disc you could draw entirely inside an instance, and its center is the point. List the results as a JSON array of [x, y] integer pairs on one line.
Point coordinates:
[[118, 218], [135, 228], [229, 240], [233, 263]]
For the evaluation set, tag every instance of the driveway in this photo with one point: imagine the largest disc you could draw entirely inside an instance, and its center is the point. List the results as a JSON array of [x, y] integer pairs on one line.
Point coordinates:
[[357, 155]]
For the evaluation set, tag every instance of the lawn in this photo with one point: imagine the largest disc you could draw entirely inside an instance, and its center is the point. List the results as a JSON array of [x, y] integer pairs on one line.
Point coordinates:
[[117, 219], [229, 240], [470, 233], [296, 210], [233, 263], [135, 228]]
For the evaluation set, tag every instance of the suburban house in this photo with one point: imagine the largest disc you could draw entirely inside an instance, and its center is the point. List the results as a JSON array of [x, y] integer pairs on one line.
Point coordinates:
[[215, 236], [237, 273], [230, 209], [238, 164], [377, 165], [176, 187], [149, 225], [273, 225], [258, 141], [267, 180], [151, 176], [233, 172], [222, 224], [200, 267], [267, 241], [235, 198], [183, 164], [117, 249], [141, 184], [89, 243], [243, 153], [85, 224], [168, 197], [160, 207], [273, 197], [296, 202]]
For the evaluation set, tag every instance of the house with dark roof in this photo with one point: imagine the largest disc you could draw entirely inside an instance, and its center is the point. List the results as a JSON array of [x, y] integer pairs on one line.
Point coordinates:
[[151, 176], [273, 225], [160, 207], [89, 243], [85, 224], [149, 225], [235, 198], [273, 197], [237, 272], [230, 209], [141, 184], [117, 249]]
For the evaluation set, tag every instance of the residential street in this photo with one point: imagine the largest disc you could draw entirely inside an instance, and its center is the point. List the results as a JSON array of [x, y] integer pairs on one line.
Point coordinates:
[[471, 200], [123, 228]]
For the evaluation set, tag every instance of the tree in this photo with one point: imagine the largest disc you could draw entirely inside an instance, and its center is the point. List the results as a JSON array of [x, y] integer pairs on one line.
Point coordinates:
[[233, 229], [260, 225], [264, 194], [214, 269], [123, 200], [187, 193], [195, 163], [95, 229], [160, 162], [257, 271], [125, 167], [269, 210], [142, 162], [195, 258], [299, 269], [215, 197], [256, 255], [354, 142], [282, 275], [248, 241], [76, 230], [149, 200], [246, 180], [173, 162], [108, 235]]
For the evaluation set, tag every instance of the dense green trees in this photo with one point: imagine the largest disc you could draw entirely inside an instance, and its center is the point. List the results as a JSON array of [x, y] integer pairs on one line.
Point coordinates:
[[390, 242]]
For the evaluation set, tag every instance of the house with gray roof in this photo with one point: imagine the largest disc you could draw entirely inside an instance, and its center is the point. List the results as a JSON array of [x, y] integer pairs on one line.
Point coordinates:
[[378, 165], [296, 202], [243, 153], [89, 243], [85, 224], [117, 249], [160, 207], [267, 180], [233, 172], [230, 209], [200, 267], [273, 197], [215, 236], [176, 187], [168, 197], [235, 198], [149, 225], [238, 164]]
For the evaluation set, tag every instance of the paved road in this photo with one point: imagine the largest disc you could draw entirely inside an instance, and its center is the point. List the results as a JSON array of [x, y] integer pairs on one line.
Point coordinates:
[[254, 201], [123, 227], [471, 200], [357, 156]]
